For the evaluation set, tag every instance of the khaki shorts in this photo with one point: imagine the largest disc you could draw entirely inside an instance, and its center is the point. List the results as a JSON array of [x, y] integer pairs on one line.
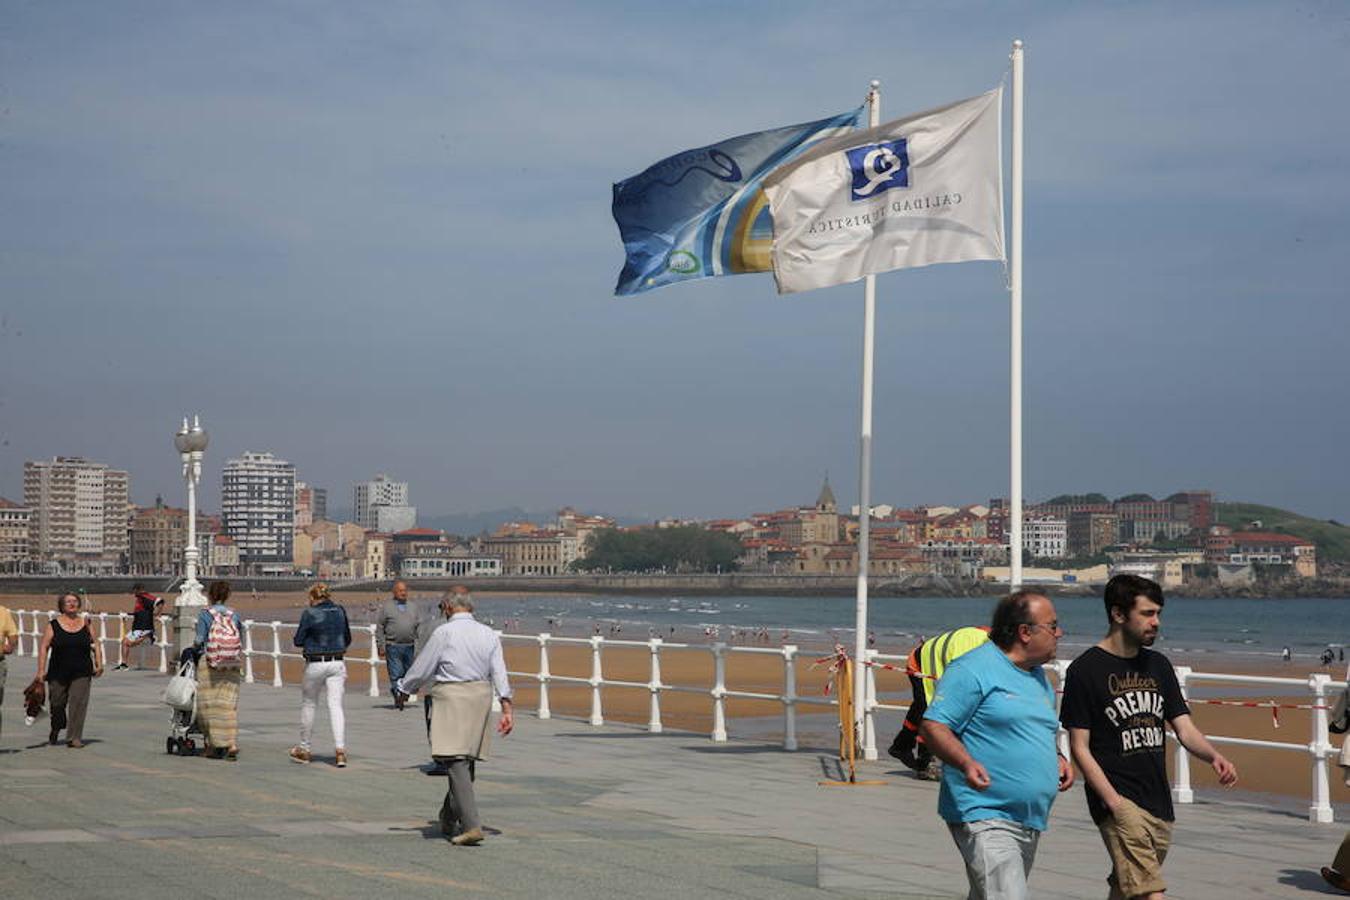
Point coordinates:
[[1137, 842]]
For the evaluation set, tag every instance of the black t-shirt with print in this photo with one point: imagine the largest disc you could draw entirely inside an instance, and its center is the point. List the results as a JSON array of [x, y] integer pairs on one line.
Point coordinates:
[[1123, 704]]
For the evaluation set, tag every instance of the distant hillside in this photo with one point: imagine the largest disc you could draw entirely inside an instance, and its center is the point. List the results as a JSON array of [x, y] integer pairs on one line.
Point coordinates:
[[1332, 538]]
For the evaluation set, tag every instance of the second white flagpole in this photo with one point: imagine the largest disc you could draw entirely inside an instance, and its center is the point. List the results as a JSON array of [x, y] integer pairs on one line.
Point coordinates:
[[1015, 284], [861, 721]]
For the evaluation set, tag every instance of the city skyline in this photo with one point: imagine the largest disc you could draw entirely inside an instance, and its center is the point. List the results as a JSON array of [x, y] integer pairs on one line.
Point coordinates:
[[382, 491], [382, 239]]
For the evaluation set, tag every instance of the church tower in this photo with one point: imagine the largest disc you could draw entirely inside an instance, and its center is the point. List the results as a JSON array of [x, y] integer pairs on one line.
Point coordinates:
[[825, 502]]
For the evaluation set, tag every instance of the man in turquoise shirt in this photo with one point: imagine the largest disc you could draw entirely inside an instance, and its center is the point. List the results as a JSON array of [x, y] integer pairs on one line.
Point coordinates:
[[993, 722]]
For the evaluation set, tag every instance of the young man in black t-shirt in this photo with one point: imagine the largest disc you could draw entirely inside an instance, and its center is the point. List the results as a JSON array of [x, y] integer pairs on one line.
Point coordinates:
[[1117, 695]]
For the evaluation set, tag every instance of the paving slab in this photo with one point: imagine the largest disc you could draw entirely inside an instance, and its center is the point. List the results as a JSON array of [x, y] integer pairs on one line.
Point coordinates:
[[573, 812]]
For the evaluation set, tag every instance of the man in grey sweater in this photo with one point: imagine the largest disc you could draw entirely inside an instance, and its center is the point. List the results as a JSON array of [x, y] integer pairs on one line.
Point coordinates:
[[396, 636]]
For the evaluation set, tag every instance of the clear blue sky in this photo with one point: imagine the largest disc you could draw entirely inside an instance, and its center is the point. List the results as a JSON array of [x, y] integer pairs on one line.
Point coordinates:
[[376, 238]]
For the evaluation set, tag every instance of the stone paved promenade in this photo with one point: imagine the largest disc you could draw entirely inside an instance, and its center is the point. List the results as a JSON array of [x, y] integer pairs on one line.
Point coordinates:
[[582, 813]]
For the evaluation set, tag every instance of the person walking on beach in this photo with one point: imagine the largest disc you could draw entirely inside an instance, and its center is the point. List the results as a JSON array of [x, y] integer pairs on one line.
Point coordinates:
[[992, 721], [396, 636], [323, 636], [144, 606], [463, 664], [218, 648], [9, 634], [926, 663], [68, 660], [1117, 696]]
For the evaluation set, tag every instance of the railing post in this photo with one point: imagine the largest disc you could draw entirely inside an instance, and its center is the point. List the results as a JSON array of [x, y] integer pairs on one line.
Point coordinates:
[[869, 734], [103, 635], [276, 654], [374, 663], [164, 644], [719, 690], [1320, 747], [496, 700], [790, 697], [122, 628], [18, 623], [597, 714], [1181, 784], [544, 675], [1061, 667], [654, 686], [248, 651]]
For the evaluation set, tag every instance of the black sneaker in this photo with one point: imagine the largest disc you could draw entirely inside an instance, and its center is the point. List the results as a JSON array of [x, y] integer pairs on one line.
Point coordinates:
[[120, 666]]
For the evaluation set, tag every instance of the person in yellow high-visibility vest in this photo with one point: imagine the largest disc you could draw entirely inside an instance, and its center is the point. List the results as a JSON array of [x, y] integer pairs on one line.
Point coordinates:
[[925, 666]]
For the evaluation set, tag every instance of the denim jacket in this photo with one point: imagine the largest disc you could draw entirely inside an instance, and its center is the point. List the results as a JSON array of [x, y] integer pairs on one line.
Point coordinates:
[[323, 630]]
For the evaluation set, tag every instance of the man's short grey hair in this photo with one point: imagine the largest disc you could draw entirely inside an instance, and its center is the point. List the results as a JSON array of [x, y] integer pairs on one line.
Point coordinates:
[[456, 600]]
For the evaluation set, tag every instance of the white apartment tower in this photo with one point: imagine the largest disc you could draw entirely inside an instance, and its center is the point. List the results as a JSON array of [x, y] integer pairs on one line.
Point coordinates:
[[382, 505], [80, 511], [257, 504]]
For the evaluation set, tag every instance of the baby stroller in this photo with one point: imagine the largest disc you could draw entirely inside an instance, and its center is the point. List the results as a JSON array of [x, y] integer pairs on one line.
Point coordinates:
[[181, 696]]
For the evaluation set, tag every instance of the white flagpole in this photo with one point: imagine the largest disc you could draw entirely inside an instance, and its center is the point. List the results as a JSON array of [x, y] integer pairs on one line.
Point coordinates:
[[1015, 277], [860, 719]]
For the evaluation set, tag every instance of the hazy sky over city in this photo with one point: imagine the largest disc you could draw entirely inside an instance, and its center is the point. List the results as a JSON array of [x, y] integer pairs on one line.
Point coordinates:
[[376, 238]]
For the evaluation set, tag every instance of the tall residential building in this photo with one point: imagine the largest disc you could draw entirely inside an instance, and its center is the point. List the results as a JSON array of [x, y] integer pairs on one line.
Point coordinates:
[[258, 508], [368, 497], [14, 535], [311, 504], [79, 511]]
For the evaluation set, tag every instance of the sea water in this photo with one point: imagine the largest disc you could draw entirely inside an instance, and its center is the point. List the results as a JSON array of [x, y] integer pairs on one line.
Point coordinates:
[[1258, 628]]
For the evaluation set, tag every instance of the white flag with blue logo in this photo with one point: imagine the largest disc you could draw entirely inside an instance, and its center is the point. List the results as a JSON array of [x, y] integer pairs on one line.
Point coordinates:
[[917, 191]]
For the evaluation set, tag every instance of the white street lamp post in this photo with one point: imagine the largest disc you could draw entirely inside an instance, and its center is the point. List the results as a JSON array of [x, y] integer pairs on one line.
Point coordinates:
[[191, 444]]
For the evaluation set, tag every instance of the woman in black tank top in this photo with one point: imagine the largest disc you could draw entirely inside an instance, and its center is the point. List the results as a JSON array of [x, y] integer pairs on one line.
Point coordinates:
[[68, 658]]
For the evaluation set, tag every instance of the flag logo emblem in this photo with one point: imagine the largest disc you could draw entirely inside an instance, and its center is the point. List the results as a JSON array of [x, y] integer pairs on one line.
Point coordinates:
[[878, 167]]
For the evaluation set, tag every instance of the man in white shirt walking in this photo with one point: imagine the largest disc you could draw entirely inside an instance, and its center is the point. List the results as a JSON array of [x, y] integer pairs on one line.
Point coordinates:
[[463, 663]]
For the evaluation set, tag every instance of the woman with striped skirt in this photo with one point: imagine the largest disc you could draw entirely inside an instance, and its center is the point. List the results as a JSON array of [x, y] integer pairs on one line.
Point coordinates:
[[219, 632]]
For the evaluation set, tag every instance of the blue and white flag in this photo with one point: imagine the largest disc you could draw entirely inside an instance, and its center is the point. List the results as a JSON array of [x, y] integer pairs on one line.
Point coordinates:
[[701, 212], [921, 190]]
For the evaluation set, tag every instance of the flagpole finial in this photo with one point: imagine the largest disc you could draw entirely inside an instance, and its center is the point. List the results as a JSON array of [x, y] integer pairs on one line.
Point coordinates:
[[1017, 44], [875, 84]]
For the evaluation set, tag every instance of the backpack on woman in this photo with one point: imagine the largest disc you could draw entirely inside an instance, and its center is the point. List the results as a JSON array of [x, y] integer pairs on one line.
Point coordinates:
[[223, 647]]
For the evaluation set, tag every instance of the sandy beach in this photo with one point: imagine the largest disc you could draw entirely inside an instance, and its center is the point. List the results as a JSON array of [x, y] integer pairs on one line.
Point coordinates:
[[1262, 769]]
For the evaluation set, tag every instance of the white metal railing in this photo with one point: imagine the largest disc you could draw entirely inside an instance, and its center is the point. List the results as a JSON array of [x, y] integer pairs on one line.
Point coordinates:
[[31, 623], [717, 692], [1319, 687]]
